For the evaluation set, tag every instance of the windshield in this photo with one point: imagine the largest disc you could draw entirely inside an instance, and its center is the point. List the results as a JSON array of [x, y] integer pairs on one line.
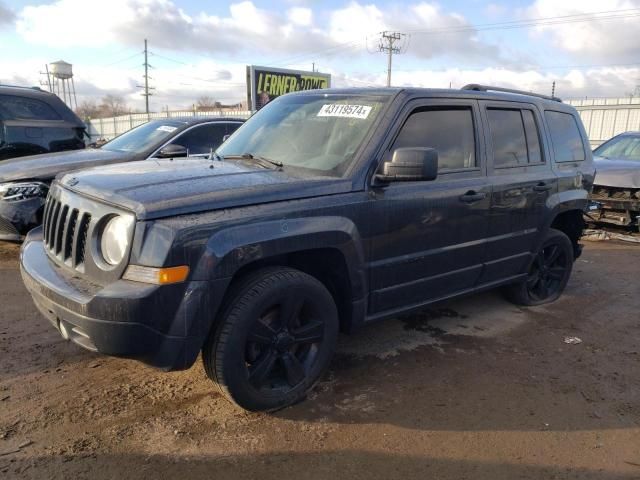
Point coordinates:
[[317, 132], [142, 138], [623, 148]]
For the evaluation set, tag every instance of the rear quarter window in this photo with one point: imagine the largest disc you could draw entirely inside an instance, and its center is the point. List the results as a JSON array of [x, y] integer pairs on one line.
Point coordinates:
[[565, 137]]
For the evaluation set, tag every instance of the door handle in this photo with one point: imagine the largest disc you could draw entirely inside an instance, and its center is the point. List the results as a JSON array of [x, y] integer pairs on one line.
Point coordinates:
[[542, 187], [472, 197]]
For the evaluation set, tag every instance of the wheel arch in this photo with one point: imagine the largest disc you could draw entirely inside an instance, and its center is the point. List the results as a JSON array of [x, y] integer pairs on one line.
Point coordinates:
[[328, 248]]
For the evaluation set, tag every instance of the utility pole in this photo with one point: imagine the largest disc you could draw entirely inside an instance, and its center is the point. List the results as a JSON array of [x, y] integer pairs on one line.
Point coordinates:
[[553, 89], [146, 86], [390, 43]]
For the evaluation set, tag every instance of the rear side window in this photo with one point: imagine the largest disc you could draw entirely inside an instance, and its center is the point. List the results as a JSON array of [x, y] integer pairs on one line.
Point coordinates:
[[508, 138], [449, 130], [565, 137], [21, 108], [202, 139]]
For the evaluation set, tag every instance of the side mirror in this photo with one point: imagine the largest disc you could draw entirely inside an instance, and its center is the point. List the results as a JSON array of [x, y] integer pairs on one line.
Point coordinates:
[[172, 151], [411, 164]]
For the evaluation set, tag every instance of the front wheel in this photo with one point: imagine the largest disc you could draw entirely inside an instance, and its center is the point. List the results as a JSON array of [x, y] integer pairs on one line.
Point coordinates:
[[548, 273], [276, 337]]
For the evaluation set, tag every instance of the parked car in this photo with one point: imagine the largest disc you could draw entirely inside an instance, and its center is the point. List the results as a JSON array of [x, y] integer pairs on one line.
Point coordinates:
[[33, 121], [24, 182], [326, 211], [616, 190]]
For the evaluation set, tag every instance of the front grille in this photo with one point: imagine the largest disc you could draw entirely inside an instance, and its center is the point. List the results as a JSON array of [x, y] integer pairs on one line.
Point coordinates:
[[65, 231], [7, 228], [614, 193], [71, 225]]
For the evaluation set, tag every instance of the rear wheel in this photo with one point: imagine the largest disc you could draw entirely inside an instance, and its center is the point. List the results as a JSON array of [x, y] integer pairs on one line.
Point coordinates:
[[276, 337], [548, 273]]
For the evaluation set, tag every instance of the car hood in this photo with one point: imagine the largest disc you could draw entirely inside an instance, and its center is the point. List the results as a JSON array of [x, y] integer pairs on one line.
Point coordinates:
[[613, 172], [160, 188], [46, 166]]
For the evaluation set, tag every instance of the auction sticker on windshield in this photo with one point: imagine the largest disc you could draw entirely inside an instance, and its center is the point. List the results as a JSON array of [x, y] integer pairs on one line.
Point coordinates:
[[346, 111], [167, 128]]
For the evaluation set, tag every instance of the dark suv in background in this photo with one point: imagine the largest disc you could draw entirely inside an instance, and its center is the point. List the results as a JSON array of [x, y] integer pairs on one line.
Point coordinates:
[[326, 211], [24, 182], [33, 121]]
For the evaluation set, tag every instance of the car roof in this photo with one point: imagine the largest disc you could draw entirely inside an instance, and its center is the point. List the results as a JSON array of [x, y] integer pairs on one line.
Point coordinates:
[[30, 92], [195, 120], [49, 98], [415, 92]]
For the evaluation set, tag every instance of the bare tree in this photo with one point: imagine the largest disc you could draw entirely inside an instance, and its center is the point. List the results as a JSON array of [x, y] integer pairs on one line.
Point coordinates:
[[88, 109], [206, 103], [113, 105]]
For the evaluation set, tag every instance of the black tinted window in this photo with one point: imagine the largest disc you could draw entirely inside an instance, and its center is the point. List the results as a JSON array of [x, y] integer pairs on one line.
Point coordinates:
[[448, 130], [565, 137], [202, 139], [22, 108], [533, 137], [508, 138]]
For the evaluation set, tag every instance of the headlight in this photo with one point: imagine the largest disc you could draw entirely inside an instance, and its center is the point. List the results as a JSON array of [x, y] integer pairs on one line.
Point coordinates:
[[115, 239], [22, 191]]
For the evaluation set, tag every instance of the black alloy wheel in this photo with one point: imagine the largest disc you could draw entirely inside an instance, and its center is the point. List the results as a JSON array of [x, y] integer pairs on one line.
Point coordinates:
[[275, 338], [548, 273], [283, 344]]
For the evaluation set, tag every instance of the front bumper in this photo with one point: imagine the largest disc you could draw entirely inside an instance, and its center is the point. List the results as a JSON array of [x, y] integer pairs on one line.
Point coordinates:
[[623, 213], [17, 218], [162, 326]]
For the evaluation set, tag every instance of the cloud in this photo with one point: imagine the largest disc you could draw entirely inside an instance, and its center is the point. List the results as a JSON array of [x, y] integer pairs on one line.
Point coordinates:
[[300, 16], [245, 28], [595, 82], [603, 40], [7, 16]]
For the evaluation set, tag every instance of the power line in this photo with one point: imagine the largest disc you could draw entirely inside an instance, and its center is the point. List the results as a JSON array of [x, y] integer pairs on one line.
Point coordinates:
[[169, 59], [122, 60], [539, 22]]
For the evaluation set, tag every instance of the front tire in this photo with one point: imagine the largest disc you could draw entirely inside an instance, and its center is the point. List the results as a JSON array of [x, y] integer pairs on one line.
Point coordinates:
[[548, 273], [276, 336]]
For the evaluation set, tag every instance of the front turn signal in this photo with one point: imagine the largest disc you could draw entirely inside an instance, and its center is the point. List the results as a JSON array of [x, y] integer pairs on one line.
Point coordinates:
[[156, 276]]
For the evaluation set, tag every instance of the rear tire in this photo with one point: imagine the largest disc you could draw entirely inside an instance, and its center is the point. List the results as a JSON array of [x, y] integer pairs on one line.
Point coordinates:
[[548, 273], [276, 335]]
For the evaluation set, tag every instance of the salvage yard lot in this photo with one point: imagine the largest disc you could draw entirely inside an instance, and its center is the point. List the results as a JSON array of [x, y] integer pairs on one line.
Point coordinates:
[[474, 388]]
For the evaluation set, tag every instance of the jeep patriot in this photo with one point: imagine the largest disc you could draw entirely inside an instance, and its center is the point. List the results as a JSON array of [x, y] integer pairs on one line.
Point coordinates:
[[327, 210]]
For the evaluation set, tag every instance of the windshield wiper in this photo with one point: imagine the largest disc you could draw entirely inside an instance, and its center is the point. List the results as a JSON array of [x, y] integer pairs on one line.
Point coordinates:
[[265, 162]]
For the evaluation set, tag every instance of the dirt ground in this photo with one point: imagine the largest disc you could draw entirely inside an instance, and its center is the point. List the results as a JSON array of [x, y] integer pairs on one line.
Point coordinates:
[[471, 389]]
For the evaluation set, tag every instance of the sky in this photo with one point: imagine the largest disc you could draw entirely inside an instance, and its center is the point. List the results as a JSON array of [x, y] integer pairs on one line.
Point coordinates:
[[590, 48]]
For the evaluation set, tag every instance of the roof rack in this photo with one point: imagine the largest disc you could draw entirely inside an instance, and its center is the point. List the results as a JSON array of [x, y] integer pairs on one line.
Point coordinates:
[[487, 88]]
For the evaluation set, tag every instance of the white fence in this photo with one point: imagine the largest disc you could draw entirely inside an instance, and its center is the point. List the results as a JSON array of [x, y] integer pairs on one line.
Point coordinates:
[[108, 128], [604, 118]]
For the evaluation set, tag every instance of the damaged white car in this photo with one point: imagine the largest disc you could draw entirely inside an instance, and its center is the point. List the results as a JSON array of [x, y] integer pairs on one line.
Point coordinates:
[[616, 190]]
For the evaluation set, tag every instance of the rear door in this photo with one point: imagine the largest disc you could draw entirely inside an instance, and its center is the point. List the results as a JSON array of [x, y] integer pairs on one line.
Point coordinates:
[[520, 172], [428, 237]]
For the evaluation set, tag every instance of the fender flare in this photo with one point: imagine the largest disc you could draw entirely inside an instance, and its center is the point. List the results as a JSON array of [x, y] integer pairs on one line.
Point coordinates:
[[227, 250]]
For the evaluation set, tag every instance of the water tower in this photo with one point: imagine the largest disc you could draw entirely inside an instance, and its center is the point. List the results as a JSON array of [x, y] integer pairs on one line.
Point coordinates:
[[61, 81]]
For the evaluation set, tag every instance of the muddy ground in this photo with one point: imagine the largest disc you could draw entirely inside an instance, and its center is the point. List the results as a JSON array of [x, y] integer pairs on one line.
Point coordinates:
[[471, 389]]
